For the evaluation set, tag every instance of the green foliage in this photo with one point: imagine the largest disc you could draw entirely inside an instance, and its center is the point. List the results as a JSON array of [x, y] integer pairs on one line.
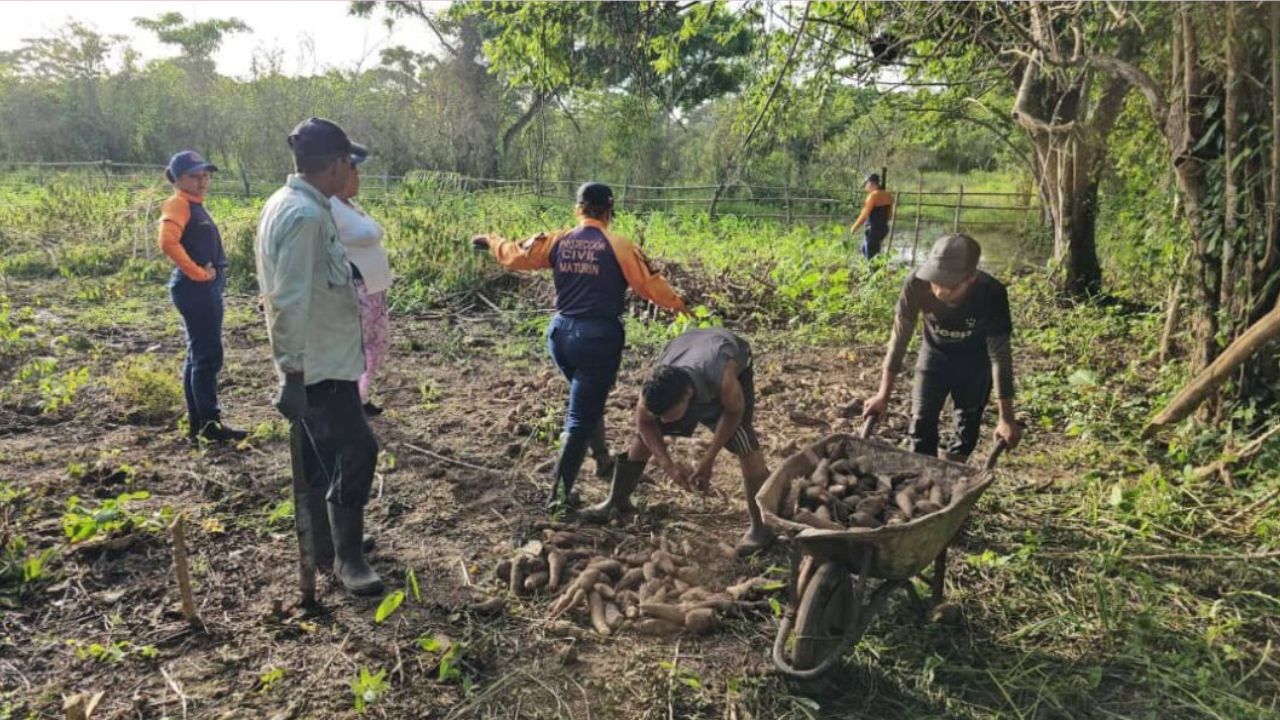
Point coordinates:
[[368, 688], [269, 679], [449, 658], [147, 386], [389, 605], [112, 652], [411, 579], [281, 513], [21, 567], [85, 520]]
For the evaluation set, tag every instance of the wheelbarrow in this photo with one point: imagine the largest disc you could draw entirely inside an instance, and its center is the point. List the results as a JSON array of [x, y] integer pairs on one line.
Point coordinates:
[[833, 571]]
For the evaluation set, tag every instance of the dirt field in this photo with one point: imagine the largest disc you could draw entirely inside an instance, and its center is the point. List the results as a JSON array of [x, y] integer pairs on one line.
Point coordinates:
[[473, 386]]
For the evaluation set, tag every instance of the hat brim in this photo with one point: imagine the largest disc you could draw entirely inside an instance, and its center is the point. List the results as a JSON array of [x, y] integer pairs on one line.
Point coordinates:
[[359, 153], [933, 272], [197, 168]]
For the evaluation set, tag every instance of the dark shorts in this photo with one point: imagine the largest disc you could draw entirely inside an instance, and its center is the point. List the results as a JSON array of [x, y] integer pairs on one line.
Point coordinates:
[[744, 441]]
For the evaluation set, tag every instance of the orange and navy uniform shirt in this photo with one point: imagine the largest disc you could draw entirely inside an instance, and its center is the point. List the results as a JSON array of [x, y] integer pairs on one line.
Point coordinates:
[[592, 269], [876, 212], [189, 237]]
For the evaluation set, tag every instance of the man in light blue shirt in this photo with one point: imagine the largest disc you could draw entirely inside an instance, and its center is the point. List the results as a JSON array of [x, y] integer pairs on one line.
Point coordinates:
[[313, 321]]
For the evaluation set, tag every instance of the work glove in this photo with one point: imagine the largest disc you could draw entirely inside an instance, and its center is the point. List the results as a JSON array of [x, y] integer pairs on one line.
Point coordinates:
[[291, 398]]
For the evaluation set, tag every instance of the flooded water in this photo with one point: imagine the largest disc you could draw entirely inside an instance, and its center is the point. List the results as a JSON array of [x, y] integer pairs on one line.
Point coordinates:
[[1005, 249]]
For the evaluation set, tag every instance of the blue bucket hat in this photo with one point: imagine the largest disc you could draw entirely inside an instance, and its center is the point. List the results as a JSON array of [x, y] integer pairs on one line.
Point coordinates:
[[187, 161]]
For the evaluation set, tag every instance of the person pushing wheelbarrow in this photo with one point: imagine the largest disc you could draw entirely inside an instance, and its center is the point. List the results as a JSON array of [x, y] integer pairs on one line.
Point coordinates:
[[966, 350]]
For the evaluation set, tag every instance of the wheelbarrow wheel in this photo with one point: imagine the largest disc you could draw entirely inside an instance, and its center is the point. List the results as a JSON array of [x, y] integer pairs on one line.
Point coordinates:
[[826, 609]]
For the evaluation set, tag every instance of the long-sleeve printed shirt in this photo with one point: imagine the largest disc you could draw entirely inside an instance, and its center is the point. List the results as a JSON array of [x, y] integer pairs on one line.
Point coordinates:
[[877, 211], [189, 236], [313, 314], [980, 325], [592, 269]]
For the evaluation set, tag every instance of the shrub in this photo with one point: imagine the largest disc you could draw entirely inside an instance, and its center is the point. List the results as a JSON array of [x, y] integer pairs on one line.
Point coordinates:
[[148, 388]]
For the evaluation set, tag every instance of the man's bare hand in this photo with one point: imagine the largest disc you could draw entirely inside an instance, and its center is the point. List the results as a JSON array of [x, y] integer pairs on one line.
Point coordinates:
[[701, 479], [1009, 432], [682, 475], [875, 406]]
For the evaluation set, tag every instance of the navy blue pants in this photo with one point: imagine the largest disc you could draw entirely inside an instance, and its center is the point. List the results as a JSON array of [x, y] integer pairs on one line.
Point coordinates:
[[588, 353], [871, 240], [200, 305]]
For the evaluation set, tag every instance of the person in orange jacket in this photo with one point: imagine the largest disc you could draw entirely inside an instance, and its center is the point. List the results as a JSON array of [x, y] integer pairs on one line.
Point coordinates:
[[592, 269], [877, 211], [191, 240]]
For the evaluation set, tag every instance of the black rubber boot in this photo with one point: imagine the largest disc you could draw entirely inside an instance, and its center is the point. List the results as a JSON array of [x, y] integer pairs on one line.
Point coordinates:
[[349, 562], [573, 450], [626, 476], [600, 453], [216, 431]]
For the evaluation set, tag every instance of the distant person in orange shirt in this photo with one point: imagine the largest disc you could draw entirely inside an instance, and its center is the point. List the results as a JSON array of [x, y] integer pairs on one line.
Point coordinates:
[[191, 240], [877, 211]]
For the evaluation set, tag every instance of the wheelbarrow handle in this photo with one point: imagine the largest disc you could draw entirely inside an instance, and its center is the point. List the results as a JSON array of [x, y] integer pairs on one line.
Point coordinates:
[[996, 452], [869, 426]]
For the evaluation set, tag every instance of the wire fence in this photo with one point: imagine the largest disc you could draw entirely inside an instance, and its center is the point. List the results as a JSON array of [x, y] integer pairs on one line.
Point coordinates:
[[955, 209]]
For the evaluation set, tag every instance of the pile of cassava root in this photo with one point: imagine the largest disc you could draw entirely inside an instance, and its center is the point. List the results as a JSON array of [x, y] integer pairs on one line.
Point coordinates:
[[651, 591], [844, 491]]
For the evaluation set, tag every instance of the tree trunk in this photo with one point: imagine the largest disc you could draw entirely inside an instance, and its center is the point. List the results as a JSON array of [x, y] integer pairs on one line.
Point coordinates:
[[1186, 123], [1227, 285]]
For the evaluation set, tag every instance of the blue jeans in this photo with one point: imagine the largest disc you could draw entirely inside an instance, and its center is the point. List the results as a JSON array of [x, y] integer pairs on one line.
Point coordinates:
[[200, 305], [871, 242], [588, 353]]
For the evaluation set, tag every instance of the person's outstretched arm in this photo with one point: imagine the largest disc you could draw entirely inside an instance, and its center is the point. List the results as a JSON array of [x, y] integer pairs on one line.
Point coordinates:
[[532, 254]]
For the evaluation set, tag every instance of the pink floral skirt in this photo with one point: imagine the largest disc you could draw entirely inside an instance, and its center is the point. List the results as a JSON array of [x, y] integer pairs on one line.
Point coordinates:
[[375, 323]]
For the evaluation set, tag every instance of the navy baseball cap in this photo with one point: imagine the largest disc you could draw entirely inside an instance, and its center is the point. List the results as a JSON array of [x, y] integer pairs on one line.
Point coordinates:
[[187, 161], [596, 194], [873, 178], [358, 154], [318, 136]]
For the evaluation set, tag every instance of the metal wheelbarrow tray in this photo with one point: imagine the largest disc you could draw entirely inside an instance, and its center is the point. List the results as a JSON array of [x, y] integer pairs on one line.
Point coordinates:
[[832, 568]]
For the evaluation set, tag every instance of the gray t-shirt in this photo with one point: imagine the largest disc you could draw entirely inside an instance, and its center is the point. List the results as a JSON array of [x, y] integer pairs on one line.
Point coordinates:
[[703, 354]]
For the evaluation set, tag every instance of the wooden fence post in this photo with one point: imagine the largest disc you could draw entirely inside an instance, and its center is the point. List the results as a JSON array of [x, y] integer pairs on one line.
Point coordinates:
[[244, 183], [959, 206], [893, 221], [40, 173], [915, 242]]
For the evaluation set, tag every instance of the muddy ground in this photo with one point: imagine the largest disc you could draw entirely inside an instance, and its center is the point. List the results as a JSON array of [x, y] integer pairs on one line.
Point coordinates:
[[474, 386]]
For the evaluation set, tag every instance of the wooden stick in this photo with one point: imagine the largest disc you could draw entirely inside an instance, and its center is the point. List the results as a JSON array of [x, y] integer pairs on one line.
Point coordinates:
[[1243, 453], [1207, 557], [1254, 506], [452, 461], [183, 570], [1208, 380]]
